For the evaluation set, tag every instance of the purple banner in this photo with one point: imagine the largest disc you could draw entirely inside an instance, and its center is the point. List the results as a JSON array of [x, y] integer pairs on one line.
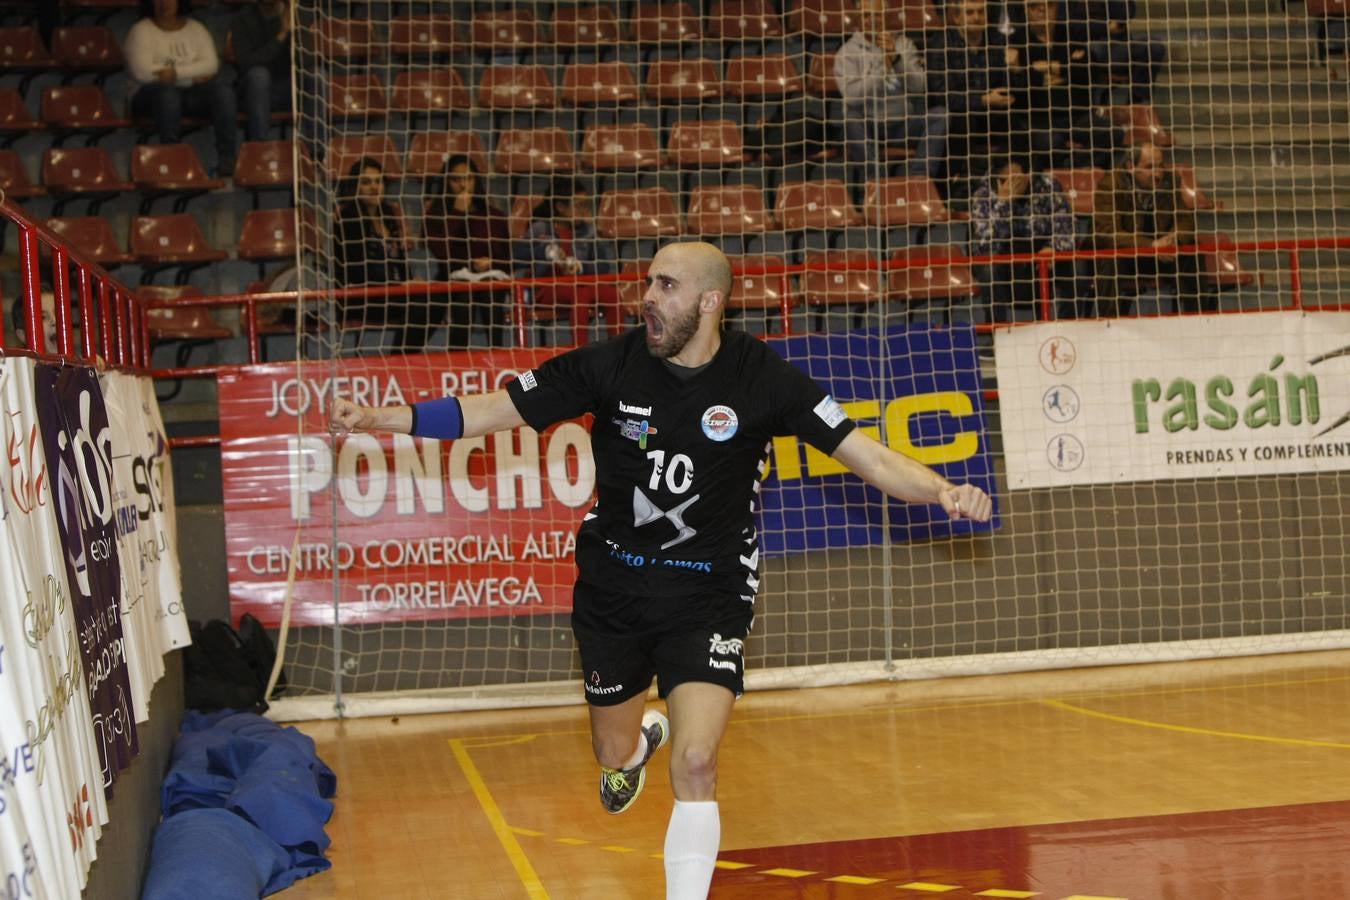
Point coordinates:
[[78, 446]]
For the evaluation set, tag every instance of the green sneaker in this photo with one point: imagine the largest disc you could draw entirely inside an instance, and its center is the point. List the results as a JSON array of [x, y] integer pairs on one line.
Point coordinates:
[[620, 787]]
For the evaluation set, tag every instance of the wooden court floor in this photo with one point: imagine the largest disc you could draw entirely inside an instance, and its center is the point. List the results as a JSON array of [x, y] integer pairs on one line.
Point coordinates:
[[1212, 779]]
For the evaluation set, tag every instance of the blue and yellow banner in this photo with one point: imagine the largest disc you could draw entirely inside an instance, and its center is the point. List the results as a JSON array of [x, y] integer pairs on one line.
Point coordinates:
[[915, 389]]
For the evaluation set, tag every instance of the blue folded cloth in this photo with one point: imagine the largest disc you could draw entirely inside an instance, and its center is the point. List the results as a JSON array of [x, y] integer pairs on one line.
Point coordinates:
[[214, 853]]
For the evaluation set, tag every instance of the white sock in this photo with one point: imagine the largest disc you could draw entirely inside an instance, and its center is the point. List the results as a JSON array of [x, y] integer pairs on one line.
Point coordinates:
[[691, 849], [639, 752]]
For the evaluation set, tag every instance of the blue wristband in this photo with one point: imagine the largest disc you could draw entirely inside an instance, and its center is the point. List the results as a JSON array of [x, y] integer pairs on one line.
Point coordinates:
[[442, 419]]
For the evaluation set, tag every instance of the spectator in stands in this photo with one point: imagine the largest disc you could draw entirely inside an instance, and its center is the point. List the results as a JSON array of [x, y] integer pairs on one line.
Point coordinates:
[[1060, 78], [882, 80], [175, 71], [261, 37], [1014, 211], [18, 315], [1103, 27], [372, 245], [970, 71], [1140, 206], [472, 240], [561, 240]]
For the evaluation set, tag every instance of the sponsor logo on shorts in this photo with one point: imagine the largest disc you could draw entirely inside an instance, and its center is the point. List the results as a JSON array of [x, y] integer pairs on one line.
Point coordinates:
[[593, 686], [720, 423], [719, 646], [527, 381], [830, 412]]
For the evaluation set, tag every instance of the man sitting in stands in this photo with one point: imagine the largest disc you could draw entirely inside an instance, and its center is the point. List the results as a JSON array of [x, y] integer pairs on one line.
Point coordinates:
[[882, 80], [969, 70], [1140, 206]]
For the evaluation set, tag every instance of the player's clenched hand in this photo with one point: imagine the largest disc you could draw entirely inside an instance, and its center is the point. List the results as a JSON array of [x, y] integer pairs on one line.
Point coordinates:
[[344, 417], [966, 501]]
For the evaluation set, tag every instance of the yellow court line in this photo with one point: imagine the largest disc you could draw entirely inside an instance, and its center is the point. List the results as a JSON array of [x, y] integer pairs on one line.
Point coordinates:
[[504, 741], [1189, 729], [533, 886]]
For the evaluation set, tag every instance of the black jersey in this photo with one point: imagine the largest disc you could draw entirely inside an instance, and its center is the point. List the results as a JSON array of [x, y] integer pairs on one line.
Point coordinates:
[[678, 457]]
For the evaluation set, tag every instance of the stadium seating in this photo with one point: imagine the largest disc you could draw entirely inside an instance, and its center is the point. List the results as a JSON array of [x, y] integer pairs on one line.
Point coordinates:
[[437, 90], [76, 108], [504, 31], [71, 173], [744, 20], [700, 143], [769, 77], [14, 180], [519, 87], [359, 97], [815, 205], [88, 48], [22, 50], [1080, 186], [599, 84], [175, 170], [429, 150], [171, 242], [930, 273], [637, 213], [268, 234], [665, 24], [824, 18], [736, 209], [840, 287], [534, 151], [629, 147], [345, 150], [91, 236], [903, 201], [422, 38], [15, 119], [682, 81], [584, 26]]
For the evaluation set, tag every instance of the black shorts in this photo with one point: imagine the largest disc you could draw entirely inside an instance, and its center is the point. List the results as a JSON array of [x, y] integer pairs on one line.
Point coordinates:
[[626, 640]]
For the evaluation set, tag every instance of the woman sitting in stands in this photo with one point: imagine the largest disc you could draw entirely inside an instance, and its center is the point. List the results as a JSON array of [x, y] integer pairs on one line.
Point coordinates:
[[472, 240], [175, 71], [561, 241], [371, 246]]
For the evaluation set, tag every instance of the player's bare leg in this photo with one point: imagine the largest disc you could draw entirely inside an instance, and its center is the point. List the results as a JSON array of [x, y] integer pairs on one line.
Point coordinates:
[[624, 737], [699, 713]]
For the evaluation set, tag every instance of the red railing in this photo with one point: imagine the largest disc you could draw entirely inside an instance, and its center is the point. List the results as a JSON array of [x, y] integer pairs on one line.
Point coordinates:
[[112, 319]]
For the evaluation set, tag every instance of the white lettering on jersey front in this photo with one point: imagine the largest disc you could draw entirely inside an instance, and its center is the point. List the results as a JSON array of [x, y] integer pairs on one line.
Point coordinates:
[[635, 410], [646, 512]]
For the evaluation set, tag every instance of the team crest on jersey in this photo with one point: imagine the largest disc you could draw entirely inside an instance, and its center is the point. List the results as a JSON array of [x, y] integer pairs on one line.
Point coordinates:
[[720, 423], [635, 431]]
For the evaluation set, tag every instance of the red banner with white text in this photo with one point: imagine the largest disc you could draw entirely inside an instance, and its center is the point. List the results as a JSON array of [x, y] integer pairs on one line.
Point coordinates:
[[415, 528]]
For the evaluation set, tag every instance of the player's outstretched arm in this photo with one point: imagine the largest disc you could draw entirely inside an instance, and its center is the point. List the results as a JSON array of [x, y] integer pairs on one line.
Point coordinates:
[[447, 417], [905, 478]]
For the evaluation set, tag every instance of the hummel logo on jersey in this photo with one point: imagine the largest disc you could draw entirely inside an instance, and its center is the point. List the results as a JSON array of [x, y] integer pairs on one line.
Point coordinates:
[[645, 511], [635, 410]]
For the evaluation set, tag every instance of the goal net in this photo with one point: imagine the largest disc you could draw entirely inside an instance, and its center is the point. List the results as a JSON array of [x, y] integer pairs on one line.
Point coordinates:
[[1089, 255]]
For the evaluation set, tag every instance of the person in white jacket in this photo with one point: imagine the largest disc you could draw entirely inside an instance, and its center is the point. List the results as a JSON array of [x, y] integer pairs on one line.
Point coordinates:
[[881, 78], [173, 64]]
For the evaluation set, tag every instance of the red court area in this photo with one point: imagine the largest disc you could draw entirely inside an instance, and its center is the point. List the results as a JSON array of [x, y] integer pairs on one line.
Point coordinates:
[[1284, 852]]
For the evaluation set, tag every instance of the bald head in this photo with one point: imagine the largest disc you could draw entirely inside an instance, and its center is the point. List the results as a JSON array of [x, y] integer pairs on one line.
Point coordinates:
[[700, 263]]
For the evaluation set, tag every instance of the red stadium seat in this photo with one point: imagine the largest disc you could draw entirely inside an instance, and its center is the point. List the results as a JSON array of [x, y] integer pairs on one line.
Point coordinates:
[[729, 209], [81, 170], [522, 212], [598, 84], [754, 290], [811, 205], [767, 77], [1221, 266], [429, 151], [91, 236], [1080, 186], [79, 107], [516, 87], [624, 147], [914, 16], [584, 26], [903, 201], [665, 23], [539, 151], [833, 18], [14, 115], [345, 150], [931, 273], [14, 181], [170, 168], [504, 31], [422, 37], [22, 50], [268, 234], [841, 287], [171, 240], [429, 90], [682, 81], [357, 97], [744, 20], [697, 143], [348, 40], [269, 164], [89, 48], [639, 213]]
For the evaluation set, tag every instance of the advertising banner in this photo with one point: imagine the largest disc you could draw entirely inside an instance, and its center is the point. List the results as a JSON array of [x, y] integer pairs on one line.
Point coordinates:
[[79, 451], [418, 529], [1190, 397]]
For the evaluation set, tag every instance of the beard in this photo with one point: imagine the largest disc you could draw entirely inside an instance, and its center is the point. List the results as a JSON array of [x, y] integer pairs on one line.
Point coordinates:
[[667, 339]]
